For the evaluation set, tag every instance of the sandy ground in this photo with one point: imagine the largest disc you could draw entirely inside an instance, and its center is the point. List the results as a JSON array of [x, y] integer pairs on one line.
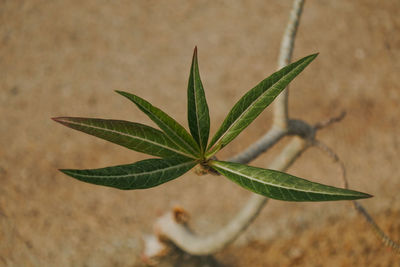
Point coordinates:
[[65, 58]]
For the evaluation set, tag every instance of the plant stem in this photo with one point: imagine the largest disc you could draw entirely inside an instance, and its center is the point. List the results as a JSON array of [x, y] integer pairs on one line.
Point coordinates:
[[169, 228], [281, 113]]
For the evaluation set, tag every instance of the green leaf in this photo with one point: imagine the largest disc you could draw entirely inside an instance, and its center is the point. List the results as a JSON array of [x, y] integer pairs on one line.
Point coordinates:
[[132, 135], [198, 117], [176, 132], [140, 175], [282, 186], [256, 100]]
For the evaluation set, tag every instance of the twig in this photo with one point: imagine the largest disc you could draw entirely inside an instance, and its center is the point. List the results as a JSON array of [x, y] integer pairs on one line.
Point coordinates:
[[328, 151], [386, 240], [328, 122]]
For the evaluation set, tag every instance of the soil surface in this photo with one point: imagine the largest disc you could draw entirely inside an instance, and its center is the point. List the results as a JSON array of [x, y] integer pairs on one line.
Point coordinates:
[[65, 58]]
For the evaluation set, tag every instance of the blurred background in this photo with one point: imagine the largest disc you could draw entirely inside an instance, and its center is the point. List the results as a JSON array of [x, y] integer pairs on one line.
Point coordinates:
[[65, 58]]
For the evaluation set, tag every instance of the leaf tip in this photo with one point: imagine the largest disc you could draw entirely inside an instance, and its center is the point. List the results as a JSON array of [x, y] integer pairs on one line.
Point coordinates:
[[195, 53], [365, 195], [120, 92], [359, 195], [65, 171], [59, 119], [313, 56], [68, 121]]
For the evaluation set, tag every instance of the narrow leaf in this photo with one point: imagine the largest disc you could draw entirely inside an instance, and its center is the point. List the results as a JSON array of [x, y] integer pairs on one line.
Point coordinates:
[[132, 135], [176, 132], [256, 100], [198, 116], [142, 174], [282, 186]]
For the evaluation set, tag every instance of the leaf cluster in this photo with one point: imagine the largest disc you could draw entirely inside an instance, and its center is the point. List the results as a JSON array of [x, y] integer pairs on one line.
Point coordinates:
[[178, 150]]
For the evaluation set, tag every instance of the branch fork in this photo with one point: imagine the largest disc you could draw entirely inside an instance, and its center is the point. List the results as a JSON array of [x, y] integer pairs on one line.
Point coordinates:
[[173, 226]]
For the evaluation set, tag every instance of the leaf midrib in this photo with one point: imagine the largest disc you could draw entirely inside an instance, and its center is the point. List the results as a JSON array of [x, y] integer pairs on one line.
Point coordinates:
[[197, 109], [244, 112], [131, 136], [148, 108], [174, 132], [136, 174], [278, 186]]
